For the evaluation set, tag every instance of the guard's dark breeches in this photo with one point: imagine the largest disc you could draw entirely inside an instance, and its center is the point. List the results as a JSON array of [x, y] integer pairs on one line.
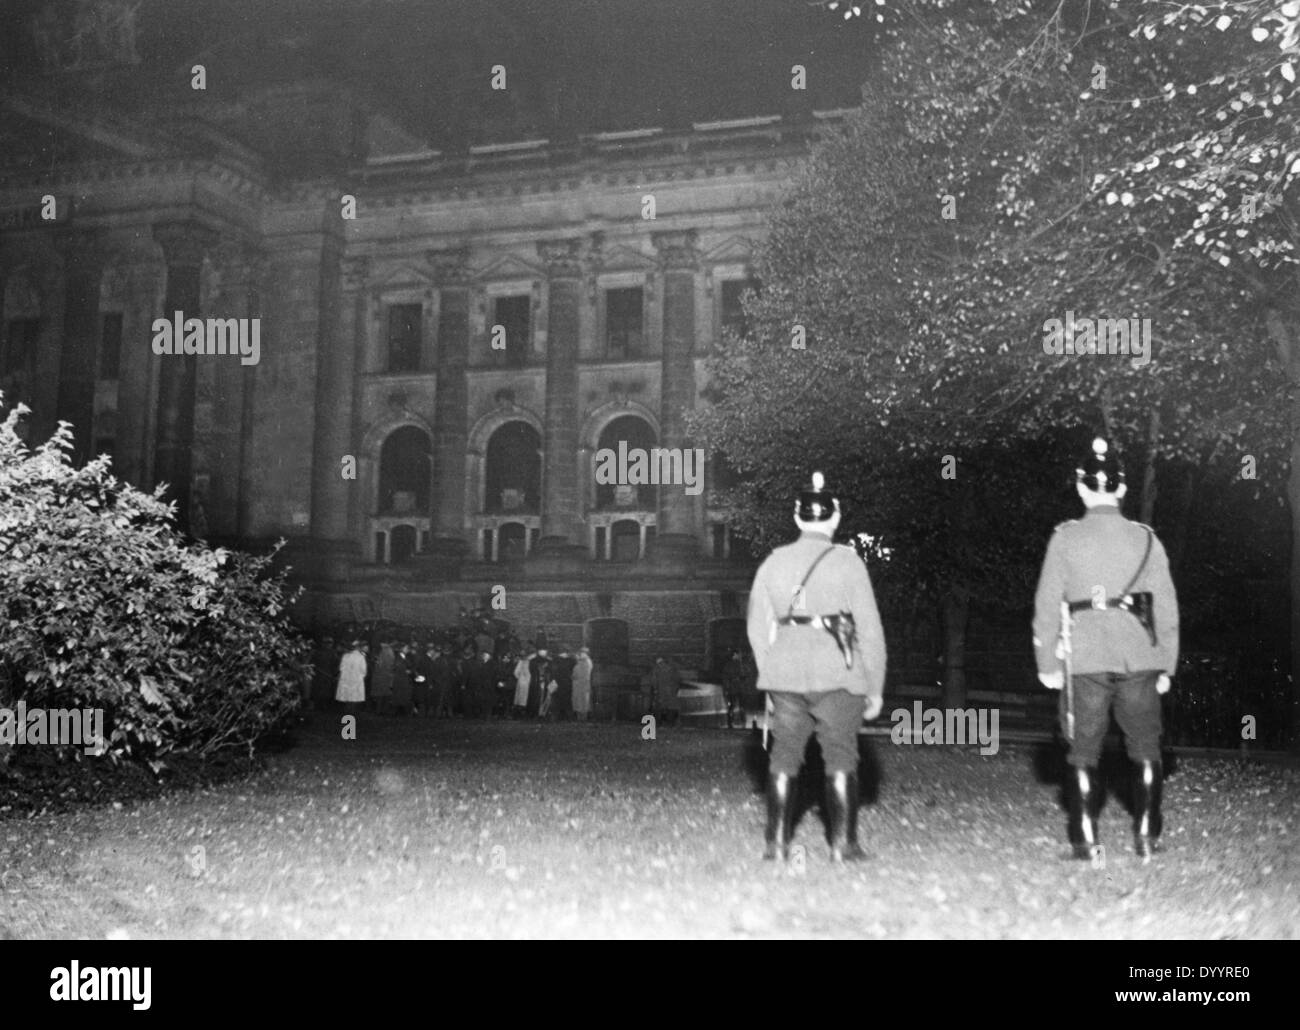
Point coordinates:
[[834, 715], [1137, 710]]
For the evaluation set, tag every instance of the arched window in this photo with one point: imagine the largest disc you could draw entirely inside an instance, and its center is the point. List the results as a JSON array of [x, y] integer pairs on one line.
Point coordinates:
[[513, 469], [404, 473], [637, 437]]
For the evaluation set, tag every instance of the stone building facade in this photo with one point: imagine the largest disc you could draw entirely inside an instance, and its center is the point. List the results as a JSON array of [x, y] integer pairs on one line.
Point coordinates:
[[446, 343]]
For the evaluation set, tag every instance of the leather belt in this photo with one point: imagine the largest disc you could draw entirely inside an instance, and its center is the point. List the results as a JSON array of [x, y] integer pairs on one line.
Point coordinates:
[[1140, 605], [1125, 604]]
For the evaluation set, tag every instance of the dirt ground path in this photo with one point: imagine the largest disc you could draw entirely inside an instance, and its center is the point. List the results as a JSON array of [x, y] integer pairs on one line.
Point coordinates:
[[458, 829]]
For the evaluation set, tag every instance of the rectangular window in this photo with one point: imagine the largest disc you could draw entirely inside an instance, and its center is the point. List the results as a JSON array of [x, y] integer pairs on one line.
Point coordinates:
[[405, 325], [514, 316], [110, 345], [487, 545], [623, 322], [600, 543], [733, 313]]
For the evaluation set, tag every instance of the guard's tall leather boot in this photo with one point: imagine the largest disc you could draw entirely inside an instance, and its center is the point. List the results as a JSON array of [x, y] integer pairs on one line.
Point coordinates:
[[780, 816], [842, 812], [1147, 789], [1085, 804]]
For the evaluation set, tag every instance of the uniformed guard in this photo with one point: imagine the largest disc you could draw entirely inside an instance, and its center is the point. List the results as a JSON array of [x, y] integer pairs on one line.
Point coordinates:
[[820, 651], [1106, 606]]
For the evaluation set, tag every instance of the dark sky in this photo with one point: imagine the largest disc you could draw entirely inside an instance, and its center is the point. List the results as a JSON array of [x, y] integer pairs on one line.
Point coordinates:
[[572, 65]]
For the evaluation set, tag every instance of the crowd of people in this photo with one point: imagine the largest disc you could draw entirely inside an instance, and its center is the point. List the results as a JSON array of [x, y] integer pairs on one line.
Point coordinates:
[[476, 668]]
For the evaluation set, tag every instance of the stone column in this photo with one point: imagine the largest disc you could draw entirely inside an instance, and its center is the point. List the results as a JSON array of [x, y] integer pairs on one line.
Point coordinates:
[[83, 266], [143, 275], [560, 494], [183, 245], [675, 537], [352, 325], [332, 438], [223, 398], [447, 542]]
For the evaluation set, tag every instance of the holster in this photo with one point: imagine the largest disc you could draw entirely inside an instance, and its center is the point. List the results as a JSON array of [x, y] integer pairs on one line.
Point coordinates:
[[1143, 606], [845, 631]]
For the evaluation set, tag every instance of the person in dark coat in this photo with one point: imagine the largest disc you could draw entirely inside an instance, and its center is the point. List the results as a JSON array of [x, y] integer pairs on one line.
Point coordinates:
[[505, 682], [480, 686], [542, 672], [1112, 576], [442, 679], [422, 673], [562, 703], [402, 680]]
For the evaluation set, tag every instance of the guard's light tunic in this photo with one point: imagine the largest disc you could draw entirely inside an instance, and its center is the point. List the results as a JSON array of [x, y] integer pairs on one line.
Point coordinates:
[[1096, 556], [805, 659]]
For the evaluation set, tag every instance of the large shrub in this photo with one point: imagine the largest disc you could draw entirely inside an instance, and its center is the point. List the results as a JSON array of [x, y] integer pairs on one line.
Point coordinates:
[[104, 604]]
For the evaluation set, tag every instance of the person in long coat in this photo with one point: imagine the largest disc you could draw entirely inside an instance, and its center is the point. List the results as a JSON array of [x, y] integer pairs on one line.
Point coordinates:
[[381, 678], [402, 680], [562, 703], [351, 689], [523, 677], [480, 684], [443, 680], [582, 684], [541, 672], [422, 674]]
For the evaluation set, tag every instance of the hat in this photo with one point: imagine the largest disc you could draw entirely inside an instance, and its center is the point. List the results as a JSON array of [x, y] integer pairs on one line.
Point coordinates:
[[540, 641], [1100, 471], [816, 503]]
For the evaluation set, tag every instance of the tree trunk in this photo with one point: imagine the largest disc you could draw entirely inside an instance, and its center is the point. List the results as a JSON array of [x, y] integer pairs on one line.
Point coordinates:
[[1148, 508], [1183, 528], [1288, 348], [956, 616]]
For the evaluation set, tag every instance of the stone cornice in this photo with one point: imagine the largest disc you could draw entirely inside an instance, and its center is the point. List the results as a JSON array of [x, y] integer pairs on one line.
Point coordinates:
[[242, 182]]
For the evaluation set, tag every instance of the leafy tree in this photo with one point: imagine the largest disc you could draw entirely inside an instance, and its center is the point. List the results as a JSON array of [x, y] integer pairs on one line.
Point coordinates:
[[104, 605], [925, 249]]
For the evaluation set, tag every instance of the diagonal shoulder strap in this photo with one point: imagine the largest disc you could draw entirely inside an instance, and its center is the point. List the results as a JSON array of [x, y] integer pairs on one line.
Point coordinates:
[[1145, 555], [808, 575]]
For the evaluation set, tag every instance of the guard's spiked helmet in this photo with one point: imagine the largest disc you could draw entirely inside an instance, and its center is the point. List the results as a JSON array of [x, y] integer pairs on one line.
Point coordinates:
[[816, 503], [1101, 471]]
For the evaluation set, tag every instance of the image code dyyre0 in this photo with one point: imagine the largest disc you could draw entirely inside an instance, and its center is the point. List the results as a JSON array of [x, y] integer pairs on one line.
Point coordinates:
[[653, 470]]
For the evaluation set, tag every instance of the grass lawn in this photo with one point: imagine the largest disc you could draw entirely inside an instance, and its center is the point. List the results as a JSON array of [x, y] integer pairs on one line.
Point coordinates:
[[460, 829]]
